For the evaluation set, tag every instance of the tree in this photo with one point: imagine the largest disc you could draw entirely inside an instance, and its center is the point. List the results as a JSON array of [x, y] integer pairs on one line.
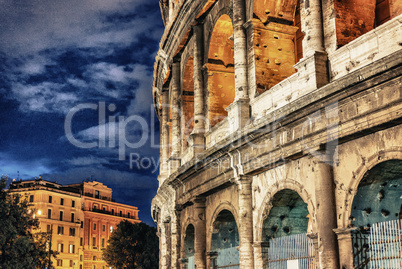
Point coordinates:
[[133, 246], [20, 248]]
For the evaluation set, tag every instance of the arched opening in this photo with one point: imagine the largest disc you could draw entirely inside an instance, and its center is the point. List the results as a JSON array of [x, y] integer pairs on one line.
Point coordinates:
[[221, 83], [187, 121], [285, 232], [376, 214], [277, 41], [225, 240], [189, 247]]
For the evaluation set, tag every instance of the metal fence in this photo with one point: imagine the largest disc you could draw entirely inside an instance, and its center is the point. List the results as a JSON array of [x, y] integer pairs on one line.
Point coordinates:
[[226, 258], [289, 252], [385, 249]]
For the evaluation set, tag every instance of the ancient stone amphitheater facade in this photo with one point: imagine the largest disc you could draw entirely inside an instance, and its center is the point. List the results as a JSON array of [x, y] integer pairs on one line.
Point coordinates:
[[281, 135]]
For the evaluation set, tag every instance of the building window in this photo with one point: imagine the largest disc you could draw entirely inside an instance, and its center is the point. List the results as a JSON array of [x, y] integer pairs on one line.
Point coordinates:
[[103, 242], [94, 241], [104, 208], [59, 262], [31, 198], [72, 203], [94, 226], [71, 249], [121, 213], [60, 230], [72, 231], [49, 213], [49, 228], [94, 267], [94, 258], [72, 217], [81, 258], [61, 215], [60, 247], [61, 201], [111, 229], [81, 241], [71, 263], [82, 224], [103, 228], [80, 266], [97, 194], [128, 215], [112, 211], [50, 199]]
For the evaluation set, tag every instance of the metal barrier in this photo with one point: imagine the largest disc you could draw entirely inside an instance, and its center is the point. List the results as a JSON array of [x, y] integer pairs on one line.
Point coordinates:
[[289, 252], [385, 249]]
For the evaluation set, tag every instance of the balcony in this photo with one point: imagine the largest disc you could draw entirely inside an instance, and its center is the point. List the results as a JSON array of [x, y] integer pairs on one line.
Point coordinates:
[[105, 198], [109, 213]]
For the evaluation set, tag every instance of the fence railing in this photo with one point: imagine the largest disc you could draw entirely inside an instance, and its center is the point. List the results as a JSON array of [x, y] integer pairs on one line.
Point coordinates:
[[289, 252], [385, 245]]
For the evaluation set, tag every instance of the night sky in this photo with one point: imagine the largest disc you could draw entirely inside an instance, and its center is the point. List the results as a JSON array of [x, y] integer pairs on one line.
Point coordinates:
[[76, 94]]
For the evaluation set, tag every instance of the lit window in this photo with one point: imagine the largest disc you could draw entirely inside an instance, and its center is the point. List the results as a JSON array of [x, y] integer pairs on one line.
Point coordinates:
[[71, 249], [111, 229], [60, 247]]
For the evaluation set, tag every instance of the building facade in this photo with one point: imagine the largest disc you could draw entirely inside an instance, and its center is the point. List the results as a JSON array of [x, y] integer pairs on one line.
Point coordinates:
[[281, 133], [79, 217]]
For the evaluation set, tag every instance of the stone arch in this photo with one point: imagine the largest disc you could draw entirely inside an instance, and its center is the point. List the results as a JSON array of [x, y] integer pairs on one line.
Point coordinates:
[[223, 206], [220, 64], [277, 43], [267, 203], [358, 174], [188, 241]]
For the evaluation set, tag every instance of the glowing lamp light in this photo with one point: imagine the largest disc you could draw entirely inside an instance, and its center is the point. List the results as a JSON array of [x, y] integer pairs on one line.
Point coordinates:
[[39, 212]]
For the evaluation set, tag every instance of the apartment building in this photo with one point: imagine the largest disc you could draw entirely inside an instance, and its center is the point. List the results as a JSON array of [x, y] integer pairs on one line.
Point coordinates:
[[80, 218]]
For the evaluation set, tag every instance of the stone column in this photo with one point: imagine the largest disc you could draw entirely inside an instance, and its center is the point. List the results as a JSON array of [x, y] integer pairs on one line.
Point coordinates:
[[174, 161], [258, 257], [314, 240], [175, 253], [313, 65], [345, 247], [326, 214], [200, 233], [239, 110], [245, 222], [197, 139], [312, 28], [164, 136]]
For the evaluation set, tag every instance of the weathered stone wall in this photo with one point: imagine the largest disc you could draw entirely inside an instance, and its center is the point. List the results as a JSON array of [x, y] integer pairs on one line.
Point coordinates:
[[301, 143]]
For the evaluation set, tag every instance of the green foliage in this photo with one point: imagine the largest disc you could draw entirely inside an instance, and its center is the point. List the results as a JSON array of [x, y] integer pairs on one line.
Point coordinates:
[[19, 247], [133, 246]]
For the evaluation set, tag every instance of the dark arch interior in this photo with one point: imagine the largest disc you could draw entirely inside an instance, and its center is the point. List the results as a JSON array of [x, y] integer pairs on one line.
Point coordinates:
[[378, 196], [225, 233], [287, 216], [189, 241]]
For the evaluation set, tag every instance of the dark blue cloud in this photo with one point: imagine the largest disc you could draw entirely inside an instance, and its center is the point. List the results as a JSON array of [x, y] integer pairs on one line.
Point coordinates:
[[55, 56]]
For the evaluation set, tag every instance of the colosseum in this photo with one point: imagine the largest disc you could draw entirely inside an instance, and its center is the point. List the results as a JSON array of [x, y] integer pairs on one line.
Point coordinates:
[[281, 134]]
